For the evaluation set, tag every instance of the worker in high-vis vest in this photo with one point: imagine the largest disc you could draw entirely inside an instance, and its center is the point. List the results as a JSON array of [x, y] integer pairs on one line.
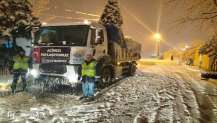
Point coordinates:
[[21, 63], [88, 74]]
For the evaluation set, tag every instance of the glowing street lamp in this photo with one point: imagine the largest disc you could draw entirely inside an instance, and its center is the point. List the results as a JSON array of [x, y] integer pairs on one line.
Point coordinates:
[[86, 21], [157, 37], [44, 23], [187, 46]]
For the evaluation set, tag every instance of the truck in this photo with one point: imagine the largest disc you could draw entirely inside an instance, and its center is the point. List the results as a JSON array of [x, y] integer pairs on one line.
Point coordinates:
[[58, 50]]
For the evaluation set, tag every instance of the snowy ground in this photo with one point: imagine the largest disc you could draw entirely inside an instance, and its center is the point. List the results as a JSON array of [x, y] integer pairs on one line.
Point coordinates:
[[157, 93]]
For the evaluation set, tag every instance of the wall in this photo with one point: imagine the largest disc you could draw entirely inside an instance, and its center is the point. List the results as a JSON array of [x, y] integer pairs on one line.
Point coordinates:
[[202, 61]]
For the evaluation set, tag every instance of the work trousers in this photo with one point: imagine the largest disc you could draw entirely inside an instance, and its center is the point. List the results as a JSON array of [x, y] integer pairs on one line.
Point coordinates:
[[16, 76], [88, 86]]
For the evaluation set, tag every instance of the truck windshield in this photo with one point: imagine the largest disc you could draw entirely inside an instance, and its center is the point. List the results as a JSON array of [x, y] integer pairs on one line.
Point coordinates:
[[74, 35]]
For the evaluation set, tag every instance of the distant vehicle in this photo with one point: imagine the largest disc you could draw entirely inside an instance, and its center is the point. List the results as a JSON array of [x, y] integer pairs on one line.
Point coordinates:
[[208, 75], [59, 49]]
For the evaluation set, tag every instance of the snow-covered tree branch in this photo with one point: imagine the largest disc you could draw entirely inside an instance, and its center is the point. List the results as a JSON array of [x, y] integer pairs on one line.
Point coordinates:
[[111, 14], [210, 49], [112, 19], [16, 18], [198, 11], [204, 11]]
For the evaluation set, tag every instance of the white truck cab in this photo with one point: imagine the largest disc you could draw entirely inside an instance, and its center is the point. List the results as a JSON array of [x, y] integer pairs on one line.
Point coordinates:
[[59, 50]]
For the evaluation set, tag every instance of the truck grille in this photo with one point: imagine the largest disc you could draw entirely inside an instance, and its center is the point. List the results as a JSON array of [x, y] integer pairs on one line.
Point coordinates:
[[53, 68]]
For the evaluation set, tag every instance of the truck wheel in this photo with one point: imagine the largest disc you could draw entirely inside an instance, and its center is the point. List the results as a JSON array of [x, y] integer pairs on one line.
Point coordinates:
[[106, 76], [132, 70]]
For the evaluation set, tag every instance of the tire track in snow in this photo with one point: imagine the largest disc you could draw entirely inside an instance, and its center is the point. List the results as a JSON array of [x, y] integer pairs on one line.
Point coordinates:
[[207, 106]]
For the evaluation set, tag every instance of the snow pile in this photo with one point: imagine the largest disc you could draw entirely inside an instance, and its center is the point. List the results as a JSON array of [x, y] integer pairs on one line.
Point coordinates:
[[146, 97], [152, 98]]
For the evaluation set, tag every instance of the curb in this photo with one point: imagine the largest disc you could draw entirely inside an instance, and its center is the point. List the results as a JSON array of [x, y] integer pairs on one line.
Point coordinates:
[[103, 91], [192, 69]]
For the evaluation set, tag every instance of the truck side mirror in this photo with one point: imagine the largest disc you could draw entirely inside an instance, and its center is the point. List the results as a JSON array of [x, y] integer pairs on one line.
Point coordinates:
[[99, 37], [98, 40], [94, 52], [33, 32]]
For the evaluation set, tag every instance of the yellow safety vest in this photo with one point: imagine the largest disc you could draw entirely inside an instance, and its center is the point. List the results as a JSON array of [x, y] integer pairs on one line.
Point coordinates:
[[88, 69], [21, 63]]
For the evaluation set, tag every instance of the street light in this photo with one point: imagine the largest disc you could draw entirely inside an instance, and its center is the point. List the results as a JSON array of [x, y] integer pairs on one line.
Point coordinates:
[[44, 23], [187, 46], [157, 37], [86, 21]]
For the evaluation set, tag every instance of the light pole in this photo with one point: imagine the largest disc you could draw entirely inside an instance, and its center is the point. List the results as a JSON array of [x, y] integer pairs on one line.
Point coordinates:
[[157, 37]]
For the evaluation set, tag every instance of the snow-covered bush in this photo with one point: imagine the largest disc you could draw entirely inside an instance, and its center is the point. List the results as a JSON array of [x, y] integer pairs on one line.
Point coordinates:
[[210, 49]]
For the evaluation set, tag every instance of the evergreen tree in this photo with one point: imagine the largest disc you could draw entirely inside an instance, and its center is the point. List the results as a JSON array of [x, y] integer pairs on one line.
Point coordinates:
[[16, 18], [111, 14], [112, 19]]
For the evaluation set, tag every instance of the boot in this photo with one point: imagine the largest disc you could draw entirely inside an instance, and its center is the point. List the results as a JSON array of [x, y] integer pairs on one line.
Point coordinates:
[[13, 89], [24, 87]]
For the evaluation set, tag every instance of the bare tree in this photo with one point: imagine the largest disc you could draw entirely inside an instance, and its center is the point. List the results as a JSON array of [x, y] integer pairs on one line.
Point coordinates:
[[205, 12], [210, 49]]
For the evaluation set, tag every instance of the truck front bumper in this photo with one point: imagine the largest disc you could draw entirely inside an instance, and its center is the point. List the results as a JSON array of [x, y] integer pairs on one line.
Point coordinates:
[[72, 73]]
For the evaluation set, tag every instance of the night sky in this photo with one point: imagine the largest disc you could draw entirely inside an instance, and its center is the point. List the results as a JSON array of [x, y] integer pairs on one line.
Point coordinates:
[[140, 20]]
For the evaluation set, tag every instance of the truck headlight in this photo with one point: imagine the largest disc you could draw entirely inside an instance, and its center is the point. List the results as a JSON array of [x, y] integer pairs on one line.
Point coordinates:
[[34, 73]]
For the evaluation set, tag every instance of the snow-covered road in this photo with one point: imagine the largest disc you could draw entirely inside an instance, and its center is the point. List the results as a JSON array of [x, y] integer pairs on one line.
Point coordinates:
[[198, 97], [157, 93]]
